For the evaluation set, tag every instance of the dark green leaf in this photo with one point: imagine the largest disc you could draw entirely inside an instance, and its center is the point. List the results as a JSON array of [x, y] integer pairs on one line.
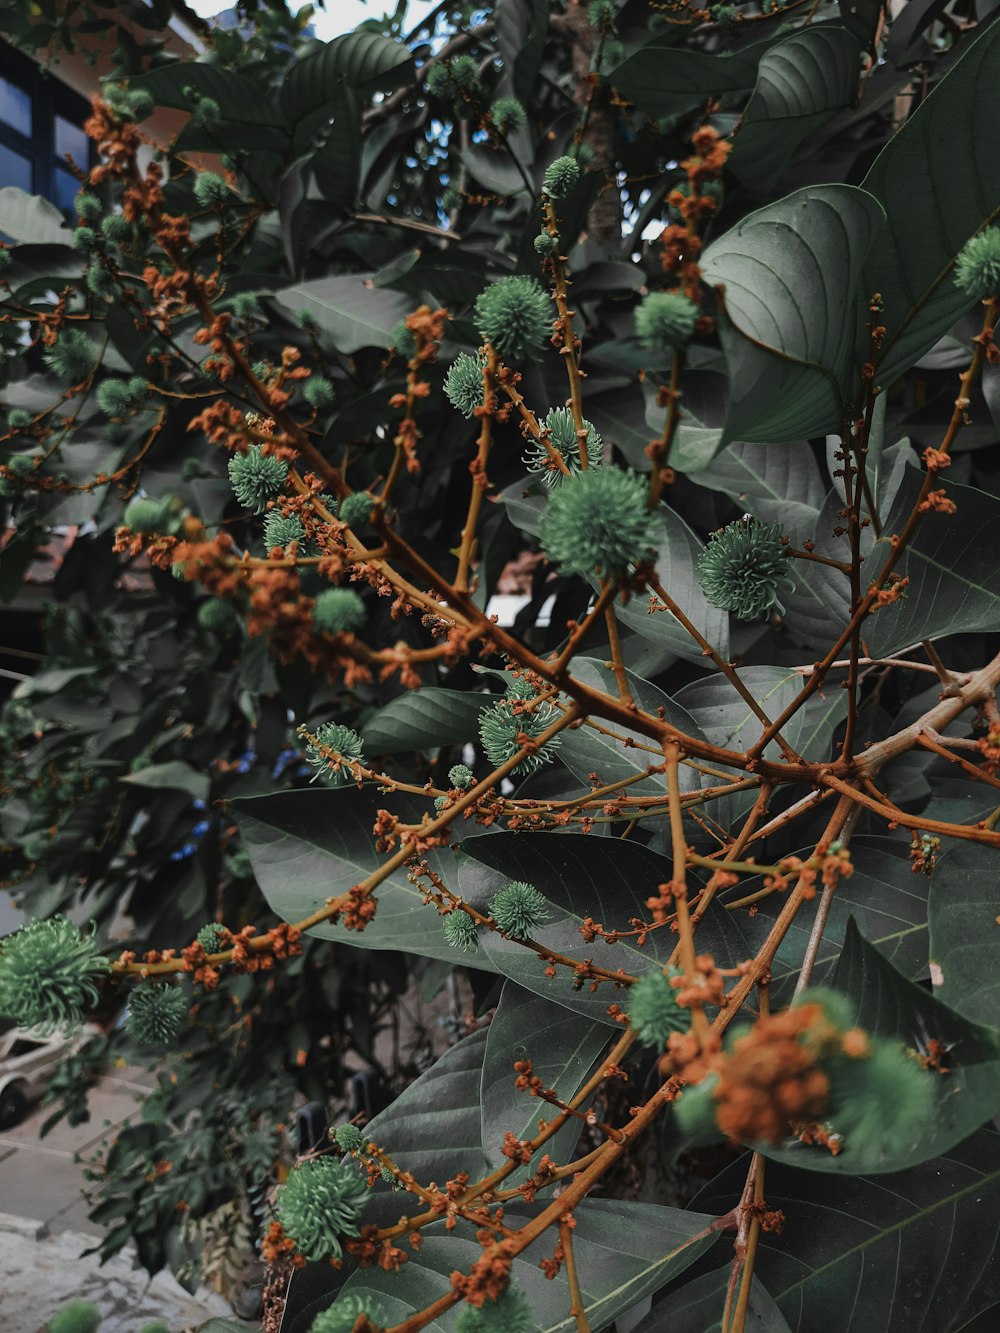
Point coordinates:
[[789, 276], [29, 217], [336, 163], [697, 1307], [424, 720], [777, 483], [963, 932], [364, 60], [353, 312], [665, 81], [238, 98], [521, 28], [174, 775]]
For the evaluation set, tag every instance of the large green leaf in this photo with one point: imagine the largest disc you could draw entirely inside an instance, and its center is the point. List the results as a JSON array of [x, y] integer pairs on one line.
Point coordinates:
[[31, 218], [939, 182], [789, 276], [239, 99], [677, 569], [364, 60], [963, 916], [951, 564], [582, 875], [354, 313], [306, 847], [664, 80], [728, 721], [425, 719], [914, 1250], [623, 1252], [777, 483], [964, 1098], [801, 83], [562, 1048], [521, 27], [337, 161], [174, 776], [697, 1307]]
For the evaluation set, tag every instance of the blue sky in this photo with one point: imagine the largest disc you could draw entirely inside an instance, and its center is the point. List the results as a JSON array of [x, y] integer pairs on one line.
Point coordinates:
[[338, 16]]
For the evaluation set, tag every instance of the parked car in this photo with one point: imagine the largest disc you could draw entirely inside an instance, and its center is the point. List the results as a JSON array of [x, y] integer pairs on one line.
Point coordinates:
[[27, 1059]]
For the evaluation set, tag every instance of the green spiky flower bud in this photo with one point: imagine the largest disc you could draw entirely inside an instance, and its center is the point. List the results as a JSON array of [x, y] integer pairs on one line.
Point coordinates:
[[217, 615], [546, 245], [354, 510], [500, 727], [77, 1317], [210, 189], [318, 392], [257, 478], [84, 238], [665, 321], [601, 14], [18, 419], [508, 115], [449, 78], [88, 206], [22, 465], [403, 340], [723, 15], [71, 356], [120, 397], [341, 1316], [744, 569], [156, 1015], [515, 315], [977, 268], [116, 228], [280, 530], [463, 384], [338, 611], [598, 520], [320, 1202], [460, 931], [49, 973], [101, 283], [518, 909], [560, 177], [343, 742], [349, 1137], [653, 1009], [508, 1314], [562, 433], [212, 937], [461, 777]]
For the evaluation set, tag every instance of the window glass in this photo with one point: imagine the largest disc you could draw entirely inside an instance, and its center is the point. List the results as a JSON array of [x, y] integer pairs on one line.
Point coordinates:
[[71, 139], [65, 189], [15, 107], [14, 169]]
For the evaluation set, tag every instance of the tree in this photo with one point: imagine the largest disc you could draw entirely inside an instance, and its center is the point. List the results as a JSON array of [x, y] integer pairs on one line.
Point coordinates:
[[675, 300]]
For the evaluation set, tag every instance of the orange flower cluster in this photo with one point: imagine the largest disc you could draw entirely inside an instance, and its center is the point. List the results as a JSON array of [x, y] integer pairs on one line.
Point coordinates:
[[938, 502], [488, 1277], [276, 1246]]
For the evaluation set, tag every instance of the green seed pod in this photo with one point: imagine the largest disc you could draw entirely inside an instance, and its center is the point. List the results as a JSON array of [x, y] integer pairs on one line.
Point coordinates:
[[338, 611], [71, 356], [460, 931], [560, 177], [723, 15], [101, 283], [49, 973], [318, 392], [341, 1316], [464, 72], [515, 315], [217, 615], [546, 245], [403, 340], [349, 1137], [245, 305], [120, 397], [653, 1009], [601, 14], [77, 1317], [461, 777], [280, 530], [140, 104], [354, 510], [508, 1314], [84, 238], [320, 1202], [206, 112], [156, 1015], [22, 465], [598, 520], [210, 189], [562, 433], [508, 115], [18, 419], [116, 228], [257, 478], [694, 1112], [463, 384], [744, 569], [665, 321], [346, 743], [977, 268], [212, 937], [884, 1100], [146, 515], [500, 727], [518, 909]]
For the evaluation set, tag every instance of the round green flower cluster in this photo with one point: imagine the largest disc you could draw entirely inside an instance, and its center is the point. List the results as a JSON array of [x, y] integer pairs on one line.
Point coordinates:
[[514, 315], [665, 321], [562, 433], [349, 1138], [119, 397], [116, 229], [341, 1316], [156, 1015], [128, 104], [461, 776], [560, 177], [147, 515], [354, 510], [518, 909], [257, 478], [508, 115], [653, 1009], [500, 727], [344, 742], [744, 569], [598, 520], [338, 611], [212, 937], [463, 384], [321, 1201], [450, 78], [49, 973], [318, 392], [508, 1314], [460, 930], [601, 13], [546, 244], [71, 356], [84, 238], [210, 189], [77, 1317], [977, 268], [280, 530]]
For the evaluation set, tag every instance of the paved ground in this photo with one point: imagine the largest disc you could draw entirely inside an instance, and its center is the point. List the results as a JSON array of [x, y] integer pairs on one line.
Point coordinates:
[[44, 1230]]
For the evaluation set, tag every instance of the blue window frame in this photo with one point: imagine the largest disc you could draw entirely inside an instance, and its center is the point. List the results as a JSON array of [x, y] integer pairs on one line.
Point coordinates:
[[41, 120]]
